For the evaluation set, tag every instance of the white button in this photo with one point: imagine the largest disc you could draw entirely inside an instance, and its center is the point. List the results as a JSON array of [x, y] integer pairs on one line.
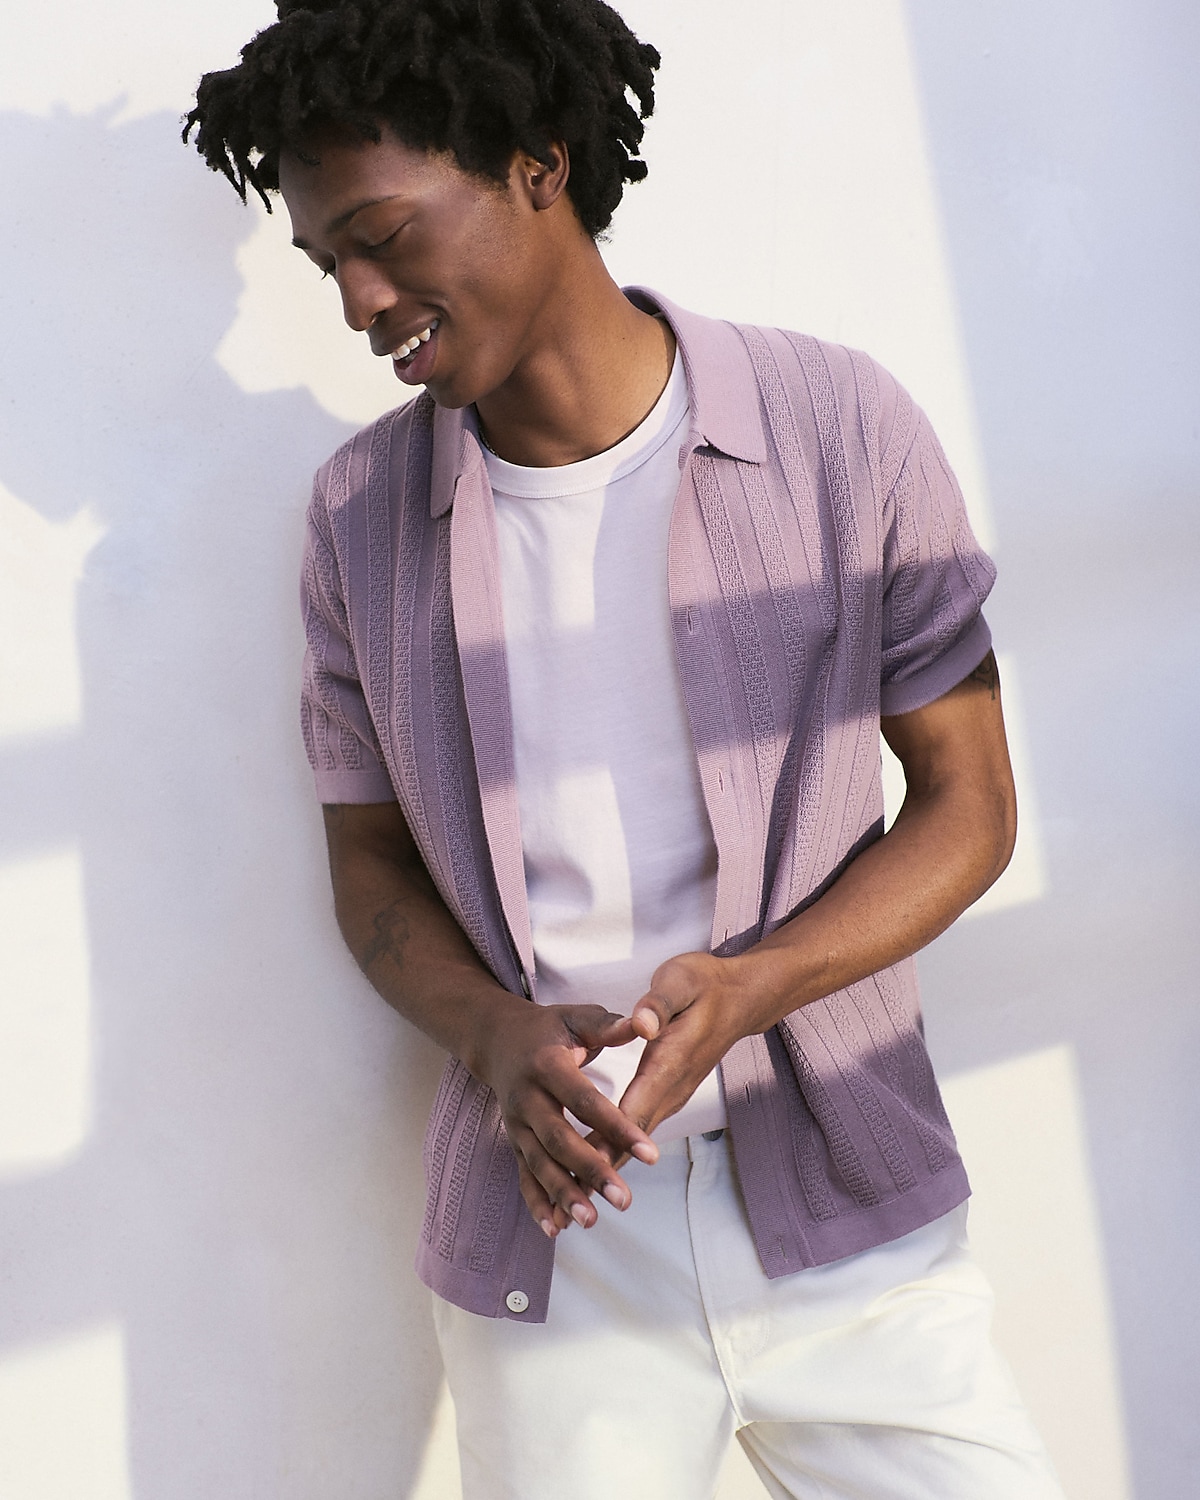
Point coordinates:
[[517, 1301]]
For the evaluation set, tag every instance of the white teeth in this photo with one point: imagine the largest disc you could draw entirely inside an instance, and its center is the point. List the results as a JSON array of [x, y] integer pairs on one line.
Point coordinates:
[[407, 349]]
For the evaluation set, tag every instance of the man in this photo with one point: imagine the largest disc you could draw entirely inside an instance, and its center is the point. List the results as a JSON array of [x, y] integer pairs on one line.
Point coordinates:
[[600, 632]]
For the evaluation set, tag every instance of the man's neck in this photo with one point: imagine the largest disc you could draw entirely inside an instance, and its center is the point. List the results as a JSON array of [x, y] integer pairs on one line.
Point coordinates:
[[594, 367]]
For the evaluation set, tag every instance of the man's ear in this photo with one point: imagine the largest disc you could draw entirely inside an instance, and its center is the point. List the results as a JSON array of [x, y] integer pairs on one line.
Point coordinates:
[[545, 181]]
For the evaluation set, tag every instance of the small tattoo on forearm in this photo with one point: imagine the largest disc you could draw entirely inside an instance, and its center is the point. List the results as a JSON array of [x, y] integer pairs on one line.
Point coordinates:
[[987, 674], [391, 936]]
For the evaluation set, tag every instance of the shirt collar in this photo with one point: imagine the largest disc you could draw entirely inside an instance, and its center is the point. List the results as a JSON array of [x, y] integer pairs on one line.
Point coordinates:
[[722, 385], [722, 389]]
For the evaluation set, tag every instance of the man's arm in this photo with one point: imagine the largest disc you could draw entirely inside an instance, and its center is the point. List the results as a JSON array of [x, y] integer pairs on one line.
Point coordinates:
[[951, 840], [415, 954]]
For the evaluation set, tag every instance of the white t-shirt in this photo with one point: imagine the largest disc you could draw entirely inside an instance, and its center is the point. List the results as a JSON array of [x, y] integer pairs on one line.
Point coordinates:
[[620, 864]]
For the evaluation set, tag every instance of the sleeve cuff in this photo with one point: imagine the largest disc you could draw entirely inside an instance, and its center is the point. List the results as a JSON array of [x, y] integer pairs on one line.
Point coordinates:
[[940, 676], [372, 785]]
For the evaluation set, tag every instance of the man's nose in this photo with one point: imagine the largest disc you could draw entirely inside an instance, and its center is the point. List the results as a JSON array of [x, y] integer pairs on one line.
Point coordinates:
[[366, 293]]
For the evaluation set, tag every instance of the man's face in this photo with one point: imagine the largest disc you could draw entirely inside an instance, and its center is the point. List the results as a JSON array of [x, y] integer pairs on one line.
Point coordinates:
[[422, 250]]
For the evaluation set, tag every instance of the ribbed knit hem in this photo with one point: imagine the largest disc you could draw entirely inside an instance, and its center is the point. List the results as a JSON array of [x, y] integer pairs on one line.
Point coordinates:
[[850, 1233], [524, 1277], [940, 676], [373, 785]]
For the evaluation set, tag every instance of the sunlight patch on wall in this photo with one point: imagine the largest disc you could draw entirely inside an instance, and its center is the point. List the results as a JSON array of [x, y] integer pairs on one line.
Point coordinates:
[[41, 564], [45, 1024], [141, 52], [1035, 1229], [1025, 878], [289, 331], [63, 1432]]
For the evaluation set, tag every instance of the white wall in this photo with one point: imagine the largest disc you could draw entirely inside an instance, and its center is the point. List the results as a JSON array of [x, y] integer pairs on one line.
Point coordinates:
[[209, 1128]]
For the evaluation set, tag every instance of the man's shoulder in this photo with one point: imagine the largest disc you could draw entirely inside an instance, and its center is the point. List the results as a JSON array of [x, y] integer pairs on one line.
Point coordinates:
[[823, 367], [342, 478], [838, 396], [821, 389]]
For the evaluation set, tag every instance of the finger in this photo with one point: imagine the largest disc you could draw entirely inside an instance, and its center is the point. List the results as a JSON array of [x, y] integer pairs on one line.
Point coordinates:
[[568, 1089], [561, 1188], [545, 1214], [668, 995], [587, 1168], [591, 1107], [611, 1153], [618, 1034], [593, 1028]]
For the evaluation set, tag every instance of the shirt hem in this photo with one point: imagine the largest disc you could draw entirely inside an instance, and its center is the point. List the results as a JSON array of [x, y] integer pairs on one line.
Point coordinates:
[[849, 1234]]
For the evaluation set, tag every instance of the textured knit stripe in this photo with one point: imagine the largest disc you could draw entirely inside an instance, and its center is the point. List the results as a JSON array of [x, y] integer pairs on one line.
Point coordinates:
[[412, 522], [315, 726], [464, 1152], [927, 1113], [380, 620], [452, 794], [846, 1156], [809, 1167], [867, 1009], [443, 1120], [808, 731], [813, 362], [479, 634], [742, 621], [867, 1098], [500, 1172]]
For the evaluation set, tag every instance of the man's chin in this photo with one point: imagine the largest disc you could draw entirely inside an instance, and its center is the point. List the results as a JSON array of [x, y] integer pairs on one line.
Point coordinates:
[[445, 394]]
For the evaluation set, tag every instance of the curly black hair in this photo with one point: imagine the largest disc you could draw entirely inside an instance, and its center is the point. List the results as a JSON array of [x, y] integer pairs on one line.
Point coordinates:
[[482, 79]]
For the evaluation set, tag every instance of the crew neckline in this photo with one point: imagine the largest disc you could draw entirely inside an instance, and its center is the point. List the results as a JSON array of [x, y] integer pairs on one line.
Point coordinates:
[[638, 447]]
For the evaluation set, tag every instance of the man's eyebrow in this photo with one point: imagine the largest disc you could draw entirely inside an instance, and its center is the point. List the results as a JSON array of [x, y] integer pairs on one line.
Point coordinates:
[[343, 219]]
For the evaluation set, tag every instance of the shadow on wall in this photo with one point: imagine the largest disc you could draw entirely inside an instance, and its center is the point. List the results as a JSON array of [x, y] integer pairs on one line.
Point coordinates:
[[245, 1200]]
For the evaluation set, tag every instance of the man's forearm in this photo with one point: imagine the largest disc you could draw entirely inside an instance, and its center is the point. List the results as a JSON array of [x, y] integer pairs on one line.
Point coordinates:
[[942, 853], [953, 837], [410, 947]]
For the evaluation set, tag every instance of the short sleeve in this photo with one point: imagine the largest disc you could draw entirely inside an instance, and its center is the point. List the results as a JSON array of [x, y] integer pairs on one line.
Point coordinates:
[[936, 578], [343, 748]]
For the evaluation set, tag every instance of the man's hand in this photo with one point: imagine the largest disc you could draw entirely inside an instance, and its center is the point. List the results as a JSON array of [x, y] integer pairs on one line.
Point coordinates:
[[690, 1017], [415, 954], [952, 838], [532, 1062]]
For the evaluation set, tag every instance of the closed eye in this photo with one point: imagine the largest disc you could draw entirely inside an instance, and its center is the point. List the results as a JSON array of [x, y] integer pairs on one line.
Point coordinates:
[[380, 244]]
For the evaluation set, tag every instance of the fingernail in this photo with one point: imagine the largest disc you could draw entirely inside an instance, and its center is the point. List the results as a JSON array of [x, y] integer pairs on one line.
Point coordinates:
[[579, 1213], [617, 1196], [650, 1021], [548, 1228], [645, 1151]]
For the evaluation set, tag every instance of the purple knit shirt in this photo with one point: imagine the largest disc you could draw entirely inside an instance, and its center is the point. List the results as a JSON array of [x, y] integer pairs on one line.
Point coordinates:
[[821, 570]]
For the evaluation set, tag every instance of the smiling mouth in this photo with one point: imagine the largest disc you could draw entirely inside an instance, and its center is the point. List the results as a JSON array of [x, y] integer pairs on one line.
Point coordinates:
[[404, 352]]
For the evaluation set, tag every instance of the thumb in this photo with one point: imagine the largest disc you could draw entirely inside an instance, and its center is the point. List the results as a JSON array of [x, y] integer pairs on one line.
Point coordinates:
[[672, 989], [593, 1028]]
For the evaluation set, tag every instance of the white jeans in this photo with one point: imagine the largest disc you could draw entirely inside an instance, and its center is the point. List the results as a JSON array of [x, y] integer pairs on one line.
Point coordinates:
[[870, 1379]]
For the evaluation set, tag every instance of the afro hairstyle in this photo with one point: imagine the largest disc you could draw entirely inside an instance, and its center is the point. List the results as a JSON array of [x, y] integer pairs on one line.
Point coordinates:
[[481, 79]]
